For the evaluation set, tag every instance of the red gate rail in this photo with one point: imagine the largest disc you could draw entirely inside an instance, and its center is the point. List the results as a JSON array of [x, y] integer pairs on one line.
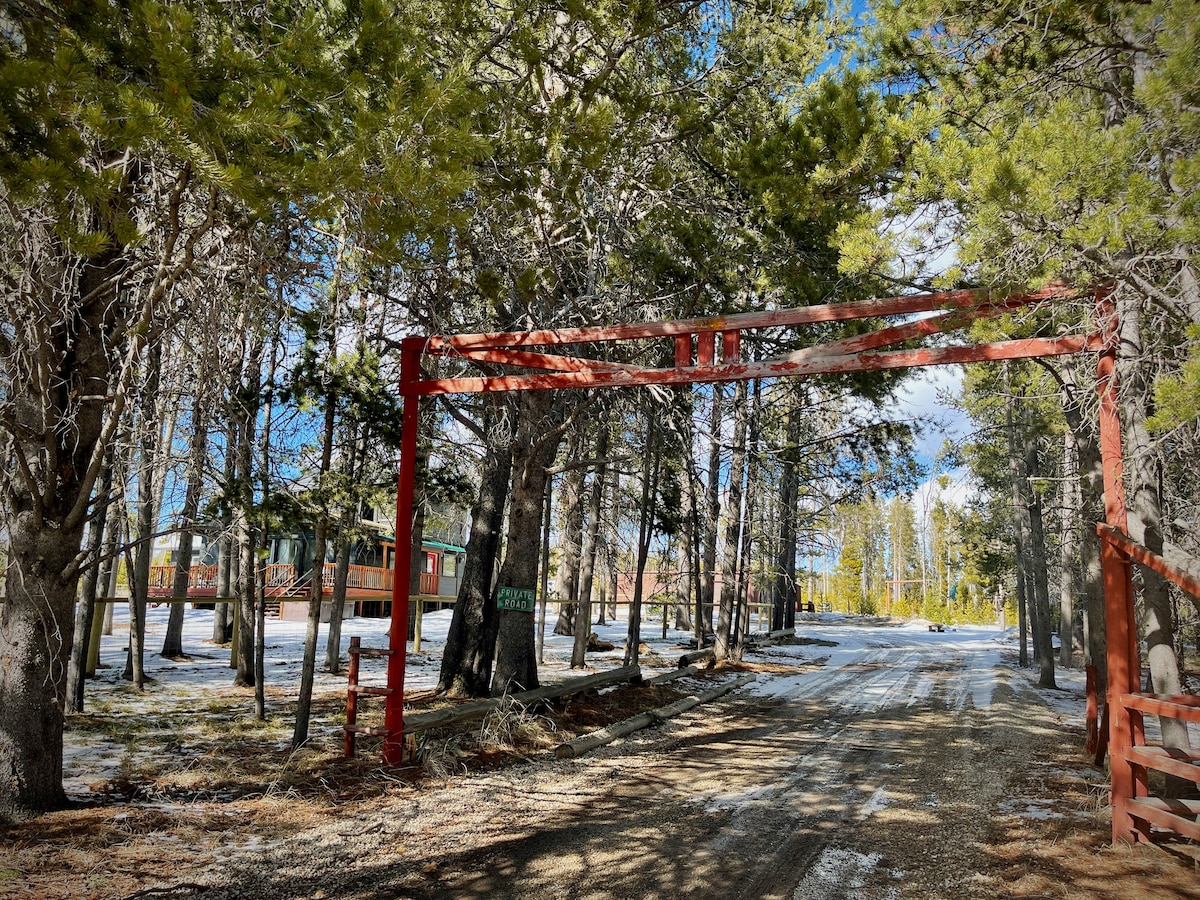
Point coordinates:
[[1134, 810]]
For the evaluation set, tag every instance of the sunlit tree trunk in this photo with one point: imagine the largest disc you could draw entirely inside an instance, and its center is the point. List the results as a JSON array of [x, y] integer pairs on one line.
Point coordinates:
[[733, 525], [538, 436]]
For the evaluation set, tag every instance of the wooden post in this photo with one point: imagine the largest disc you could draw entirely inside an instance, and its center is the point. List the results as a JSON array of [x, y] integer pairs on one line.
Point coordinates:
[[352, 696], [1121, 637]]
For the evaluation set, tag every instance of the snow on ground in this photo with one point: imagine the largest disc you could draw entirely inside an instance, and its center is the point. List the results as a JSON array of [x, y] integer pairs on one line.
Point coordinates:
[[859, 647], [839, 874], [830, 647]]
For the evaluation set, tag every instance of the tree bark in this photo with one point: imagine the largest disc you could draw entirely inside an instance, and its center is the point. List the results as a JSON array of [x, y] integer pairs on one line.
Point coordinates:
[[59, 421], [223, 614], [1041, 581], [1069, 580], [1090, 492], [783, 596], [1144, 472], [733, 524], [85, 609], [471, 643], [1020, 524], [538, 436], [746, 542], [583, 611], [650, 457], [147, 518], [571, 540], [341, 575], [712, 508], [317, 583], [243, 573], [173, 642]]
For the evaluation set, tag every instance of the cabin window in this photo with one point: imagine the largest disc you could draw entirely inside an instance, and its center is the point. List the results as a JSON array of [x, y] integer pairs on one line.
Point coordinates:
[[450, 565]]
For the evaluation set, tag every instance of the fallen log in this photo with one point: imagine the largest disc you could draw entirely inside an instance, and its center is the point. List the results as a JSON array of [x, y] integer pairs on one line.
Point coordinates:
[[436, 718], [587, 742], [766, 639], [695, 656], [674, 674]]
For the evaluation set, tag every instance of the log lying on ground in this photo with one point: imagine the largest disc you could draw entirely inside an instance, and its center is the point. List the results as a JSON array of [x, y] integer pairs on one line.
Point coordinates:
[[439, 717], [674, 674], [766, 639], [696, 656], [582, 745]]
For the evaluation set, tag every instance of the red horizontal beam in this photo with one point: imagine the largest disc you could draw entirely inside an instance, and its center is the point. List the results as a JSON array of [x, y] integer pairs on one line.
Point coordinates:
[[1171, 760], [549, 361], [818, 365], [895, 334], [1149, 559], [1185, 707], [807, 315]]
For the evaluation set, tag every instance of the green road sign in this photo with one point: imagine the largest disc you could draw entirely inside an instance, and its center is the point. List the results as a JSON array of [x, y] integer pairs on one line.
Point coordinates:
[[518, 599]]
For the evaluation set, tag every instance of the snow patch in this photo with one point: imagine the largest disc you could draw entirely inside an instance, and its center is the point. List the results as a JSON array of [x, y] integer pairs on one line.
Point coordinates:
[[842, 875], [878, 801]]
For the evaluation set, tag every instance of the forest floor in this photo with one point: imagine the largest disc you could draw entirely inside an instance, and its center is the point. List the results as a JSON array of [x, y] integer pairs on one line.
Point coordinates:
[[870, 759]]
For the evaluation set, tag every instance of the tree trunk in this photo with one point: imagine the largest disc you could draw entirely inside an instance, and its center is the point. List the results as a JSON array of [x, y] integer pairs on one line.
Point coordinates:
[[650, 457], [173, 643], [691, 547], [1144, 472], [746, 542], [583, 612], [60, 409], [341, 575], [471, 643], [571, 540], [246, 411], [317, 586], [1069, 584], [1020, 523], [85, 610], [147, 518], [538, 436], [223, 614], [85, 614], [733, 524], [1090, 493], [712, 508], [783, 596], [1041, 581], [106, 586]]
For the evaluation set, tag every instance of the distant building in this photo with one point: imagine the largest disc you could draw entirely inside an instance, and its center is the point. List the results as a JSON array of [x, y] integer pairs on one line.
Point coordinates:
[[290, 564]]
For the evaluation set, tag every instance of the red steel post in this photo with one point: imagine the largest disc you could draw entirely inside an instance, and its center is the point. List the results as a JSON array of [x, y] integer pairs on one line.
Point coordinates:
[[393, 717], [1120, 625]]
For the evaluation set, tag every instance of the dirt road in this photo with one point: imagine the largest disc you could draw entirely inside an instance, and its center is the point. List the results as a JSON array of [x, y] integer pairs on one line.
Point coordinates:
[[897, 767]]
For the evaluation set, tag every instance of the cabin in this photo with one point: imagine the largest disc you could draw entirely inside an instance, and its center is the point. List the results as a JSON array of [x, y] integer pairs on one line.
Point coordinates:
[[290, 563]]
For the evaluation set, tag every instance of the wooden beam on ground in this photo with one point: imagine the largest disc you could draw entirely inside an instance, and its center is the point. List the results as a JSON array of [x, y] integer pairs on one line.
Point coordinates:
[[439, 717], [582, 745], [705, 654]]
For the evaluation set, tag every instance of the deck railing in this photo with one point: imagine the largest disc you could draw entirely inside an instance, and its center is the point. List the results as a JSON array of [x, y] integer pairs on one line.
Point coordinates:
[[282, 580]]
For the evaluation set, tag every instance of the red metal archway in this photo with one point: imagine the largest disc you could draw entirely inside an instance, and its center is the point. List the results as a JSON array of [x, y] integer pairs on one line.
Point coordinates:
[[698, 358]]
